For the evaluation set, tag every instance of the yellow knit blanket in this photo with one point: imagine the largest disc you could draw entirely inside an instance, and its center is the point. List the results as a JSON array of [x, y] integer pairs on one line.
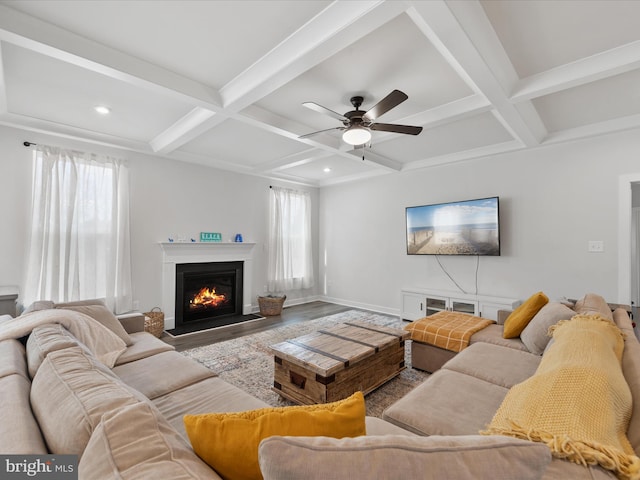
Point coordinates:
[[578, 402], [448, 330]]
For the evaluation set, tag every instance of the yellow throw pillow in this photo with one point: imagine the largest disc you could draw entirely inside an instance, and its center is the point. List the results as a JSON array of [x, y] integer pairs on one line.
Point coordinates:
[[229, 442], [521, 316]]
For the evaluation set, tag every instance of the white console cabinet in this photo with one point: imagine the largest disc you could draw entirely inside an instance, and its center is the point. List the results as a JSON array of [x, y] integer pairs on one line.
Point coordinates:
[[418, 303]]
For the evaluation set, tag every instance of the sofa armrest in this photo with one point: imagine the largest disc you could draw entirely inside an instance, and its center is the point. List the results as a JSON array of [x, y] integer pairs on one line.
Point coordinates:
[[502, 316], [132, 322]]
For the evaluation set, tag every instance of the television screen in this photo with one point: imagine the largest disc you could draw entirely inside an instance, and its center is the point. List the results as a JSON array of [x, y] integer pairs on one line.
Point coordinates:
[[470, 227]]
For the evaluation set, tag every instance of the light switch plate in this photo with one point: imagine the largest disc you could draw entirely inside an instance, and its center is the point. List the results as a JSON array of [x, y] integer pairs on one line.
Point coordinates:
[[596, 246]]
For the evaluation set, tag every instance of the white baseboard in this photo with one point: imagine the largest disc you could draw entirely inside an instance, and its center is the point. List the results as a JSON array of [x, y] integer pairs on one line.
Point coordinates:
[[364, 306], [337, 301], [293, 301]]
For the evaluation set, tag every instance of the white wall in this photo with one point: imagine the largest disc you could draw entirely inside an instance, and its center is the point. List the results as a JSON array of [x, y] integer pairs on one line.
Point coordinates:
[[165, 197], [553, 200]]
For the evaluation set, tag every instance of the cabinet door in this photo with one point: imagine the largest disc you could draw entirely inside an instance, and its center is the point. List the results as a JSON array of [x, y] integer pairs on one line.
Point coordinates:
[[436, 304], [463, 306], [412, 306]]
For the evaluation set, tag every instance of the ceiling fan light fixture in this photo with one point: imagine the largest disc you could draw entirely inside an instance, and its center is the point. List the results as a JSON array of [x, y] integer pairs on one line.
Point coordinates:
[[356, 135]]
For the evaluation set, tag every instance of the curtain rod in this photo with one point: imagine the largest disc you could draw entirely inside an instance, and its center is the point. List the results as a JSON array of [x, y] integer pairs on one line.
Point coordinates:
[[28, 144]]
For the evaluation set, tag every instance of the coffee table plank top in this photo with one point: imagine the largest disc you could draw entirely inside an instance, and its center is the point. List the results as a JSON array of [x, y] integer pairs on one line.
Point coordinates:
[[333, 349]]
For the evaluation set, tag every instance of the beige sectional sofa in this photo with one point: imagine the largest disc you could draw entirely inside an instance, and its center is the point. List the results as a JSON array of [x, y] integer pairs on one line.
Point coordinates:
[[125, 420]]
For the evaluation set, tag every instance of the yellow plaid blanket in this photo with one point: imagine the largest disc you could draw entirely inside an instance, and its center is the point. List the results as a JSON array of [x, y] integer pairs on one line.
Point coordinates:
[[578, 402], [448, 330]]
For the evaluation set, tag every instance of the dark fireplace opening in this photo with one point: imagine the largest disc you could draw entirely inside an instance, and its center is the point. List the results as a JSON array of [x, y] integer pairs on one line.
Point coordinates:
[[208, 293]]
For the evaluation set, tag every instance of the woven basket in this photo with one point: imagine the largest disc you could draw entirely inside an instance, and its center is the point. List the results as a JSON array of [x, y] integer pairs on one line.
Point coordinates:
[[271, 305], [154, 322]]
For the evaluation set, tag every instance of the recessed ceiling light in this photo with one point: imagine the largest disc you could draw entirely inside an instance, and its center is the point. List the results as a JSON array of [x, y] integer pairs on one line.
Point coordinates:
[[326, 170], [102, 110]]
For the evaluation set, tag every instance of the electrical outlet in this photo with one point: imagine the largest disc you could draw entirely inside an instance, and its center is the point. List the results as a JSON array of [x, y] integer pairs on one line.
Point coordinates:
[[596, 246]]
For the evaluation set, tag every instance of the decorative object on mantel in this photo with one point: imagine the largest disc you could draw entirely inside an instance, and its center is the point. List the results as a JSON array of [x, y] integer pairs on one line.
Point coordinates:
[[154, 322], [238, 238], [271, 304], [210, 237]]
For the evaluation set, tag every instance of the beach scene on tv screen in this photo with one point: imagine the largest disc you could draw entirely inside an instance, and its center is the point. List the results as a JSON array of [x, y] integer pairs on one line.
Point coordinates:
[[458, 228]]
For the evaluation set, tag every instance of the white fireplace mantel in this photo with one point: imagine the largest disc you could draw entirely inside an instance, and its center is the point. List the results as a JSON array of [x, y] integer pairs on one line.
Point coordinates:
[[199, 252]]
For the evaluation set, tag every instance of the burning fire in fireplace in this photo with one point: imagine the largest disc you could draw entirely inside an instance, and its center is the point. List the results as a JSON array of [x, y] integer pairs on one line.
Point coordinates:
[[207, 298]]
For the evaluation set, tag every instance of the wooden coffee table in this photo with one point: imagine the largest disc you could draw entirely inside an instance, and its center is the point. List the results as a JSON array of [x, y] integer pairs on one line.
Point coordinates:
[[333, 363]]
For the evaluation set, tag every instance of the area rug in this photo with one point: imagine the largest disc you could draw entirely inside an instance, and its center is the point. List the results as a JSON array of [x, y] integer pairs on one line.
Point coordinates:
[[247, 363]]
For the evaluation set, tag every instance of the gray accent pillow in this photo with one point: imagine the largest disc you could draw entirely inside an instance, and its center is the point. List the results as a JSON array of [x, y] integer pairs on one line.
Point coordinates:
[[101, 314], [535, 335], [400, 456]]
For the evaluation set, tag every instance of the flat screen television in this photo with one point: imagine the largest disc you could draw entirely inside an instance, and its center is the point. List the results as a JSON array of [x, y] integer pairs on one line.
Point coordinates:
[[469, 227]]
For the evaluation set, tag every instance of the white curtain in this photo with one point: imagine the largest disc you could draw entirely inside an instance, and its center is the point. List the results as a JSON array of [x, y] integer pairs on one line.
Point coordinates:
[[290, 264], [80, 245], [635, 255]]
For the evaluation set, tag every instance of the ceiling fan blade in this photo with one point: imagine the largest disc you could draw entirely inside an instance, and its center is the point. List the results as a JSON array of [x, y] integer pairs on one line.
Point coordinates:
[[390, 127], [325, 110], [392, 100], [320, 131]]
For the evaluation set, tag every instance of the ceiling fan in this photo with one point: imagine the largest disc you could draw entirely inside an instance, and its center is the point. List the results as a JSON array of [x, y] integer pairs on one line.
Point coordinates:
[[357, 124]]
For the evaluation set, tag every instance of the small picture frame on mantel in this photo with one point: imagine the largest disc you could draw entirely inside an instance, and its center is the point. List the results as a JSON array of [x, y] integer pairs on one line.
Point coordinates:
[[210, 237]]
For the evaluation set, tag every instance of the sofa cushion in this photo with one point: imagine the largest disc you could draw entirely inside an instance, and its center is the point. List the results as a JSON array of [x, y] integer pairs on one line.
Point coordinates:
[[561, 469], [163, 373], [535, 335], [135, 442], [377, 426], [143, 345], [495, 364], [102, 314], [12, 358], [20, 432], [46, 339], [229, 442], [521, 316], [592, 304], [70, 392], [458, 404], [210, 395], [402, 457], [493, 334]]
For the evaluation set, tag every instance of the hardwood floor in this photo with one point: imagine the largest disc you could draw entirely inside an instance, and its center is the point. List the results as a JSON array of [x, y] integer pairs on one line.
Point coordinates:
[[290, 315]]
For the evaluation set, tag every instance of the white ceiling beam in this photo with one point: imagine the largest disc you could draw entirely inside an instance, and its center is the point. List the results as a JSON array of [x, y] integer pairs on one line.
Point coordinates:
[[38, 125], [596, 67], [47, 39], [454, 111], [293, 160], [340, 24], [459, 44], [192, 125], [489, 150], [629, 122]]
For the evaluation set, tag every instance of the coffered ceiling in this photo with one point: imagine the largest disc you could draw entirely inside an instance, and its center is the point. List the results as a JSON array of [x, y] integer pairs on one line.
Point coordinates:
[[221, 83]]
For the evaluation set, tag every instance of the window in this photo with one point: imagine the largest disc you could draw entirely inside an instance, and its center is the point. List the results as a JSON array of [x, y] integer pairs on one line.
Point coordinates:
[[290, 246], [80, 246]]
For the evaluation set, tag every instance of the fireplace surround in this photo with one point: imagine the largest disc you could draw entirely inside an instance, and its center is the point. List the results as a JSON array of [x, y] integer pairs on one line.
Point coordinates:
[[174, 254]]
